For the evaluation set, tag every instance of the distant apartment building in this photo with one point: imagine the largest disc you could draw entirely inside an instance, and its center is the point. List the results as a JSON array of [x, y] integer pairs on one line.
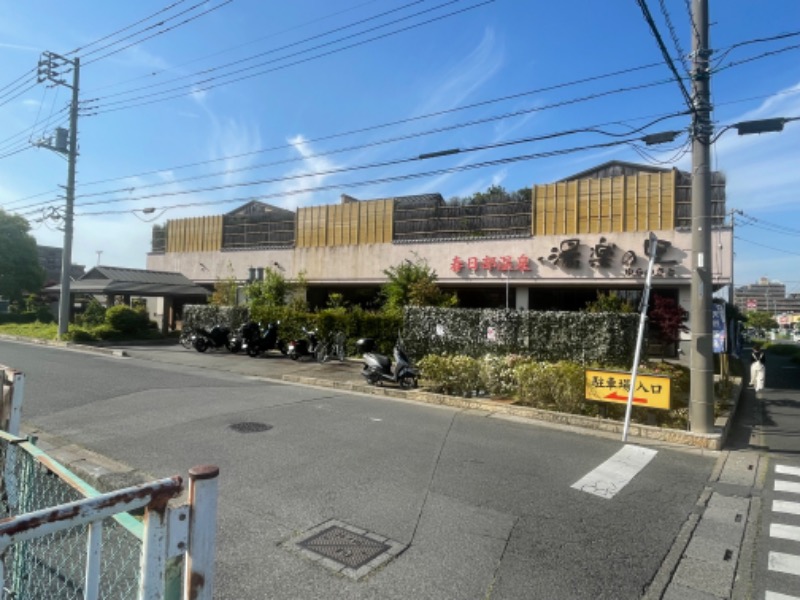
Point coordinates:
[[50, 261], [766, 296]]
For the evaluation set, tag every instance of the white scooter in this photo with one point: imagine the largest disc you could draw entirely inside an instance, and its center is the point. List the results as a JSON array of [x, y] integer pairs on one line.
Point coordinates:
[[378, 367]]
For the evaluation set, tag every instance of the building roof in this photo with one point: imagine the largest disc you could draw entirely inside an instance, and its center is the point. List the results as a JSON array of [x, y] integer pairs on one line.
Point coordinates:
[[615, 168], [134, 282]]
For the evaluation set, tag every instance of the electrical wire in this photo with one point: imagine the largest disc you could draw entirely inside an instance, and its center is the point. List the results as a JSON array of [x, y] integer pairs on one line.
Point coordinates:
[[206, 85], [766, 225], [664, 53], [418, 134], [126, 28], [161, 32], [673, 34], [383, 180], [205, 72], [784, 250]]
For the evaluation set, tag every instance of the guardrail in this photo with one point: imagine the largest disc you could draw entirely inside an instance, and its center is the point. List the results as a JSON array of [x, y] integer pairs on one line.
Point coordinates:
[[61, 538]]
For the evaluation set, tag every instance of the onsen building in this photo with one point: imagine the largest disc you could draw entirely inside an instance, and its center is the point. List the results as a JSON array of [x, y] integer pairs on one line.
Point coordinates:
[[556, 250]]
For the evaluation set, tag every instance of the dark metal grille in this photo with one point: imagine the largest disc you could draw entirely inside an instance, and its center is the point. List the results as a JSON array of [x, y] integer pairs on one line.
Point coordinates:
[[345, 547], [250, 427]]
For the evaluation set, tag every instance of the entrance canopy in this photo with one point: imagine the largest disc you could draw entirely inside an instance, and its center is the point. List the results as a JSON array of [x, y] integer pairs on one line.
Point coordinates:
[[176, 289]]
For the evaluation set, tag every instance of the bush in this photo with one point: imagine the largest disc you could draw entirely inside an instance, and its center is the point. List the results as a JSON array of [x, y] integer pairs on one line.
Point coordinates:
[[95, 314], [559, 386], [127, 320], [454, 375], [28, 317]]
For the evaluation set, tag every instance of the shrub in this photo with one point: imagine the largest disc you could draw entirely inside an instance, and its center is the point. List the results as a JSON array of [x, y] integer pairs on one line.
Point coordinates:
[[95, 314], [559, 386], [455, 375], [79, 335], [126, 320]]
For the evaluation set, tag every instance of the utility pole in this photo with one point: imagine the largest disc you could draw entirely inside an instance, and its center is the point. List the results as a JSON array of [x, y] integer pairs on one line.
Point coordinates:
[[701, 403], [48, 65]]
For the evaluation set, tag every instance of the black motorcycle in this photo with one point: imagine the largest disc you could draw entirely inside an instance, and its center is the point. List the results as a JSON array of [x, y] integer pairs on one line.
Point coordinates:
[[255, 341], [217, 337], [307, 346]]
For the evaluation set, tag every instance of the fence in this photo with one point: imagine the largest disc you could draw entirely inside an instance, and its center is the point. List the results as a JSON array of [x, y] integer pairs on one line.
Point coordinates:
[[62, 539]]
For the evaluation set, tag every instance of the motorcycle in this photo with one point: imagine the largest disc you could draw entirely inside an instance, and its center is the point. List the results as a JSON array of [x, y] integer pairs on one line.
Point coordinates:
[[217, 337], [378, 367], [308, 346], [254, 341]]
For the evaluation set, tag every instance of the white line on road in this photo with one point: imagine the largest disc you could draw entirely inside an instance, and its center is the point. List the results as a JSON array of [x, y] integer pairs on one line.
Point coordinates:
[[785, 532], [787, 470], [785, 563], [614, 474], [784, 506], [787, 486], [777, 596]]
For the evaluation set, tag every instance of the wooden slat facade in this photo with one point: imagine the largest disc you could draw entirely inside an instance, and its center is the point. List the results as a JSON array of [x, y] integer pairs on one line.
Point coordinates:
[[346, 224], [643, 202], [195, 234]]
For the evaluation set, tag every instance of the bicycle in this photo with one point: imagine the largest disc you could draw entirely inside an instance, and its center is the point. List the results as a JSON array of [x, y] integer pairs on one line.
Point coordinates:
[[333, 347]]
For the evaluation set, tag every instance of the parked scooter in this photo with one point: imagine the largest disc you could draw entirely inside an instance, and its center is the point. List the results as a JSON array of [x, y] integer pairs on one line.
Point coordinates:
[[307, 346], [378, 367], [217, 337], [254, 341]]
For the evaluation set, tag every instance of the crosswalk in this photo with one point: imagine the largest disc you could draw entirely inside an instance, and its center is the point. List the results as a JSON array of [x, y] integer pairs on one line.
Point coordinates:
[[783, 559]]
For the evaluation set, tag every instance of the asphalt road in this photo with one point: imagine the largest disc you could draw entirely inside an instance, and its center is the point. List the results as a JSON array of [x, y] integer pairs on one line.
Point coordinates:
[[484, 505]]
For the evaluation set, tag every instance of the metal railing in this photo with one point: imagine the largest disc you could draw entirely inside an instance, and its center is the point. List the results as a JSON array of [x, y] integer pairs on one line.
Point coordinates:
[[62, 539]]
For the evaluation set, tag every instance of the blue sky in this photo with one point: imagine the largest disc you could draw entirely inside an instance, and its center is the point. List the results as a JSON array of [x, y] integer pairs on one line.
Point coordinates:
[[291, 102]]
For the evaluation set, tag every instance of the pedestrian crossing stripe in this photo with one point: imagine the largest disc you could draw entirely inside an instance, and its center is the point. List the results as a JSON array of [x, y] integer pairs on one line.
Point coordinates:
[[787, 470], [785, 532], [777, 596], [614, 474], [787, 486], [784, 563], [784, 506]]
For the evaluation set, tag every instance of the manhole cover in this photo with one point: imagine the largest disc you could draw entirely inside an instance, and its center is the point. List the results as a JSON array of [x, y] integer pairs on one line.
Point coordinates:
[[250, 427], [346, 549]]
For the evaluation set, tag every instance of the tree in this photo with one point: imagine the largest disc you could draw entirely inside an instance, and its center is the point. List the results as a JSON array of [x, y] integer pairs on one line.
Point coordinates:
[[20, 272], [413, 284], [609, 302], [272, 291], [761, 320], [224, 291], [668, 319]]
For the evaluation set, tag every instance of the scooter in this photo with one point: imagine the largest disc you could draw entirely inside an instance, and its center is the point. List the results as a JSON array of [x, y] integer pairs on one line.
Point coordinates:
[[307, 346], [254, 342], [378, 367], [217, 337]]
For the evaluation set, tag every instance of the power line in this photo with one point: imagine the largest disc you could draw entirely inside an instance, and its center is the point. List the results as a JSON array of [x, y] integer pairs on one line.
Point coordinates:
[[674, 35], [784, 250], [156, 34], [773, 227], [206, 85], [384, 180], [664, 53], [428, 132], [205, 72], [126, 28]]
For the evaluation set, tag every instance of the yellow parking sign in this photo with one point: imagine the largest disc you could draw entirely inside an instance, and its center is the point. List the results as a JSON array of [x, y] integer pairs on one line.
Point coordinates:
[[652, 391]]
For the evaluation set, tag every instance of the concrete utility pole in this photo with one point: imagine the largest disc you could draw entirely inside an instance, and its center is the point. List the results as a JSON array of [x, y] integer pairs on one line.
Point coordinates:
[[47, 71], [701, 403]]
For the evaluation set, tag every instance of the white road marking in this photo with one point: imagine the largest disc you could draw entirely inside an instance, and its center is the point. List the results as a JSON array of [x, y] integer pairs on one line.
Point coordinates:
[[614, 474], [787, 470], [784, 506], [776, 596], [785, 563], [785, 532], [782, 485]]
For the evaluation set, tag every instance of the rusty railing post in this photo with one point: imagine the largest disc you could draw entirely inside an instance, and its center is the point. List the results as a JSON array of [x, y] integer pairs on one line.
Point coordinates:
[[199, 562]]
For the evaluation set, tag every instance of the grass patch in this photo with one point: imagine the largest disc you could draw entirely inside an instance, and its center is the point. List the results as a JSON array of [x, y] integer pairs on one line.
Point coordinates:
[[36, 330]]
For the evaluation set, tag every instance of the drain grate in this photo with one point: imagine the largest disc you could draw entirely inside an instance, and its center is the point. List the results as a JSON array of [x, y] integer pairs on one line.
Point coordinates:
[[346, 549], [250, 427]]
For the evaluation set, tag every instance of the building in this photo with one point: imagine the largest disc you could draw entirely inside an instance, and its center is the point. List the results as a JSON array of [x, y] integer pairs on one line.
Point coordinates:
[[769, 296], [572, 239]]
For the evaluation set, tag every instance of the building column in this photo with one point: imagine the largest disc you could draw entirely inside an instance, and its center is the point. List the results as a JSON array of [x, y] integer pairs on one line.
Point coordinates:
[[521, 294]]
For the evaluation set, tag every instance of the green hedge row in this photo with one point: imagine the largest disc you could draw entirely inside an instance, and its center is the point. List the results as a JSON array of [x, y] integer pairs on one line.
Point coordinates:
[[27, 317], [606, 338]]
